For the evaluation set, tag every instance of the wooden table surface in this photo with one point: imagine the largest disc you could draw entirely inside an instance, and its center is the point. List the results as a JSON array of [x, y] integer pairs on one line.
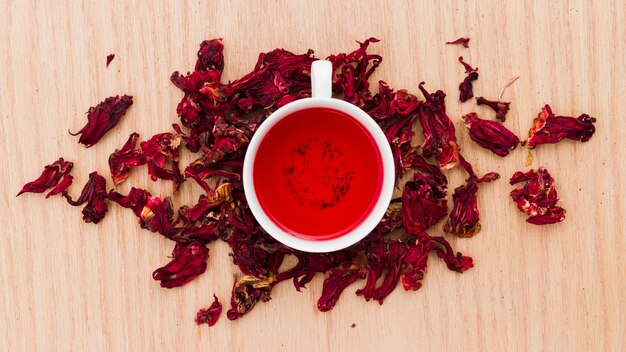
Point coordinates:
[[71, 286]]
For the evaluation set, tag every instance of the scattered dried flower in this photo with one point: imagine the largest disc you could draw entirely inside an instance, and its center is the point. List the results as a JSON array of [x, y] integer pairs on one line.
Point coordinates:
[[103, 117]]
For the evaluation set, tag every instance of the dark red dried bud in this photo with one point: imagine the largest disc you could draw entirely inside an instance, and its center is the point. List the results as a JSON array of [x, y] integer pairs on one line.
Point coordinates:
[[490, 134], [538, 197], [211, 314], [500, 107], [110, 58], [94, 194], [122, 160], [50, 177], [548, 128], [461, 41], [439, 136], [103, 117], [188, 261], [247, 292]]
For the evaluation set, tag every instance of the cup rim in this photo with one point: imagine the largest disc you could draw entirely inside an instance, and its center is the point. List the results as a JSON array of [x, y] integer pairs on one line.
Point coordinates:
[[375, 215]]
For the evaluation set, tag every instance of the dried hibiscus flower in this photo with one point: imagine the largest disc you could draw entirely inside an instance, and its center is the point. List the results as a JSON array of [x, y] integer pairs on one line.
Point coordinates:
[[500, 107], [211, 314], [188, 261], [439, 134], [549, 128], [464, 218], [538, 197], [159, 151], [466, 88], [122, 160], [54, 175], [94, 193], [461, 41], [490, 134], [103, 117]]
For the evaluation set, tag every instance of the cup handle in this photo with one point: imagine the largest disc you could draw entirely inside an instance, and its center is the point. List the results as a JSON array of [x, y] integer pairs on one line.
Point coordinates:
[[321, 79]]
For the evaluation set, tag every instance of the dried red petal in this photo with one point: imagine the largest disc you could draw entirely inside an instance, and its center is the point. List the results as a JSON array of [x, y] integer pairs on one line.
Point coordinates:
[[423, 203], [66, 181], [454, 261], [355, 71], [538, 197], [110, 58], [338, 280], [490, 134], [158, 216], [468, 68], [188, 261], [464, 218], [103, 117], [50, 177], [94, 193], [466, 88], [439, 135], [211, 56], [247, 292], [122, 160], [461, 41], [211, 314], [548, 128], [162, 153], [136, 199], [500, 107]]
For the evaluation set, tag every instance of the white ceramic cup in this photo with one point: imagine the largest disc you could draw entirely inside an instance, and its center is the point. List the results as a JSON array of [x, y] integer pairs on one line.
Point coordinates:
[[321, 88]]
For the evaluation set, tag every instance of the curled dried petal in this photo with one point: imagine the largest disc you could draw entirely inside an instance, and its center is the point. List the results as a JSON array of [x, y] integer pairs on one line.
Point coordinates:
[[94, 193], [466, 87], [136, 199], [500, 107], [188, 261], [490, 134], [103, 117], [461, 41], [549, 128], [454, 261], [468, 68], [50, 177], [337, 281], [122, 160], [210, 315], [162, 153]]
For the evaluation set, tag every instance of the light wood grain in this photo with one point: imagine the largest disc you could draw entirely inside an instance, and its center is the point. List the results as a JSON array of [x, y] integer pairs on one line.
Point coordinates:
[[71, 286]]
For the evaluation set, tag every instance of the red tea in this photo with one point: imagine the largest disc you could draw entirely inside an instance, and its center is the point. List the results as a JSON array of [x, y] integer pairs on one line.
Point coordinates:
[[318, 173]]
